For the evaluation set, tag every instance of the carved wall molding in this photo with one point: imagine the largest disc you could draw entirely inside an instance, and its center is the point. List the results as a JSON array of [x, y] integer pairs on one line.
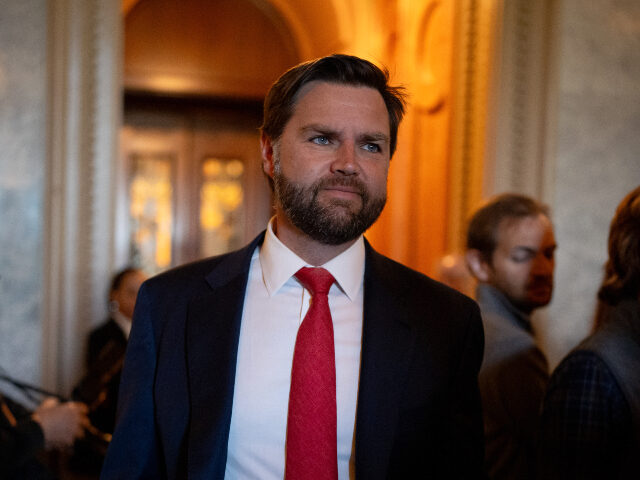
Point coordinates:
[[500, 141], [431, 90], [517, 153], [83, 114], [477, 25]]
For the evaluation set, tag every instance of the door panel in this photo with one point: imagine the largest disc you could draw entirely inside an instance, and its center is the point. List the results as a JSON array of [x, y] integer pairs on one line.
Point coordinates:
[[192, 183]]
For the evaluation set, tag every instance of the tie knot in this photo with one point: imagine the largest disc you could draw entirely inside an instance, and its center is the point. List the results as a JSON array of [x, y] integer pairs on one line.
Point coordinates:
[[316, 280]]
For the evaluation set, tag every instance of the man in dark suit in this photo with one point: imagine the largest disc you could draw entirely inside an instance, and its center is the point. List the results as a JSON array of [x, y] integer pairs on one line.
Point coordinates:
[[106, 347], [123, 292], [211, 376], [98, 388], [510, 251]]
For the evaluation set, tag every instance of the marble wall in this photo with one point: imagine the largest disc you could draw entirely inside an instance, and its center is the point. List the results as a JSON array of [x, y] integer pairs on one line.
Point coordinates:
[[23, 73], [597, 151]]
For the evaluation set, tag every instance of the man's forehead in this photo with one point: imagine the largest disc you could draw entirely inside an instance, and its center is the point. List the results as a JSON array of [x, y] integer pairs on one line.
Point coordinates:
[[307, 87], [332, 104], [530, 227], [341, 91]]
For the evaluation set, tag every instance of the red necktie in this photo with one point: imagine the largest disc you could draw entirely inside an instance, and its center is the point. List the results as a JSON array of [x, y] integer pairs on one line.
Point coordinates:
[[312, 451]]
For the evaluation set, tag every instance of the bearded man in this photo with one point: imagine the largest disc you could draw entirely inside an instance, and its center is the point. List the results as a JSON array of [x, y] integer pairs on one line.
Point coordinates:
[[306, 354], [511, 252]]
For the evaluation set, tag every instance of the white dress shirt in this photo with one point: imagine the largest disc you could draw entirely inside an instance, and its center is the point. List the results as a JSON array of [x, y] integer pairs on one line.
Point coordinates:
[[123, 322], [275, 305]]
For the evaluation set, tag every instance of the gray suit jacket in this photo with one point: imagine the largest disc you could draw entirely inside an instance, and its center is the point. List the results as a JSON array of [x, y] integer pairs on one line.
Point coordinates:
[[513, 379]]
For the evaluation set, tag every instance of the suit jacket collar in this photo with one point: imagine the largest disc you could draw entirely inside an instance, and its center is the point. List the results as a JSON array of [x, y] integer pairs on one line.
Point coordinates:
[[234, 264], [212, 336], [493, 301]]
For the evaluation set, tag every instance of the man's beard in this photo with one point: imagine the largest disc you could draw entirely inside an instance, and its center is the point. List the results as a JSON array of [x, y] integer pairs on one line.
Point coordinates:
[[335, 222]]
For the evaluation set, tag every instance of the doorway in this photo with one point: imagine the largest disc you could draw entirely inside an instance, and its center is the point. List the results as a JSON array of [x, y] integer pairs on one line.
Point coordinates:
[[189, 182], [192, 183]]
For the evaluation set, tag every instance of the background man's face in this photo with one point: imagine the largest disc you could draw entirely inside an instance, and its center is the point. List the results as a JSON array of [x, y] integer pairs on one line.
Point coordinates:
[[330, 165], [127, 292], [523, 261]]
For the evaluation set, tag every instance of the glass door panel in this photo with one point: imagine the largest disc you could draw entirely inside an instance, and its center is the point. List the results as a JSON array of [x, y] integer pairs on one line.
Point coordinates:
[[221, 206], [151, 211]]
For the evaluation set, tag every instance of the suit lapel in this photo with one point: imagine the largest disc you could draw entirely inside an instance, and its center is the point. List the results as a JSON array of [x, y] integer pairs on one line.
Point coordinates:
[[386, 349], [213, 329]]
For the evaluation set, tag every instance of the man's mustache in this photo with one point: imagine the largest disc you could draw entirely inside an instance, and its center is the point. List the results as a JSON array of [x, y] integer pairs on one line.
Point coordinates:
[[541, 281], [349, 182]]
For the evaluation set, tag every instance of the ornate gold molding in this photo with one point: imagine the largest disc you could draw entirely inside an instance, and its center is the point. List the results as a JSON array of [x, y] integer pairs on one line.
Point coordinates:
[[478, 24]]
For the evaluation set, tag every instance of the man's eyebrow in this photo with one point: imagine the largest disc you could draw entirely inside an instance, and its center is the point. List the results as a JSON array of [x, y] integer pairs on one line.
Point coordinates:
[[523, 248], [375, 137], [327, 130], [316, 127]]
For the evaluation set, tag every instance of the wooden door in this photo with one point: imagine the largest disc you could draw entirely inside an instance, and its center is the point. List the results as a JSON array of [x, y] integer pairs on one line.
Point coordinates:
[[192, 184]]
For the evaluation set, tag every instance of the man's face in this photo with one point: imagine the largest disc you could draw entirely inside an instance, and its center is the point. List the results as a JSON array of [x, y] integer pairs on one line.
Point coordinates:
[[523, 261], [330, 165], [127, 292]]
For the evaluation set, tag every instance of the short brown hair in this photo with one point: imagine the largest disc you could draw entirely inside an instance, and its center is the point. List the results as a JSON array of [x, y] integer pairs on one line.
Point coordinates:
[[118, 278], [337, 68], [482, 233], [622, 270]]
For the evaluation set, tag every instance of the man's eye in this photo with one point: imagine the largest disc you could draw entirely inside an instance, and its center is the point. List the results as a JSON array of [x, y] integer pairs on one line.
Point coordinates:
[[320, 140], [521, 257], [372, 147]]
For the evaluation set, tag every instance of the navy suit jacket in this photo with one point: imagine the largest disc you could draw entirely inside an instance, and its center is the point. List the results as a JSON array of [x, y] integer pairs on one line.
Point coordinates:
[[418, 410]]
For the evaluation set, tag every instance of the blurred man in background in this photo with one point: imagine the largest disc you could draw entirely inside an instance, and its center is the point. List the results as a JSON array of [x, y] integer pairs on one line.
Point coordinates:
[[510, 251]]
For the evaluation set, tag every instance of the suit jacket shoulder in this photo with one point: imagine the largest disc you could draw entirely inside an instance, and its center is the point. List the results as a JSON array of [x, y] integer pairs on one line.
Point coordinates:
[[176, 288], [412, 290], [185, 326]]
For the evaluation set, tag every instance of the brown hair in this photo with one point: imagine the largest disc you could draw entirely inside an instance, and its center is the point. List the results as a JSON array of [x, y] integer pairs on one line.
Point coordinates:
[[482, 233], [337, 68], [119, 277], [622, 269]]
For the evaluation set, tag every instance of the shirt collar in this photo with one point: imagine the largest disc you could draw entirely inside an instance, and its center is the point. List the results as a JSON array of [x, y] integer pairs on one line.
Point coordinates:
[[279, 264], [123, 322], [495, 301]]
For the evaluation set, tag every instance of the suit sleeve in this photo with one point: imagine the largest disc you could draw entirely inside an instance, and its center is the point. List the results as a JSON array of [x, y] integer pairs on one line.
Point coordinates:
[[134, 451]]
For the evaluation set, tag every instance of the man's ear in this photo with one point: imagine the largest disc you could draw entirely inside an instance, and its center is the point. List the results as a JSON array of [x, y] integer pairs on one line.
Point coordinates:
[[266, 148], [478, 265]]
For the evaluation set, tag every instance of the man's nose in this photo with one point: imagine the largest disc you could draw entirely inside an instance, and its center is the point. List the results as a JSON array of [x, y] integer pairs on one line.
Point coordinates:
[[543, 265], [345, 162]]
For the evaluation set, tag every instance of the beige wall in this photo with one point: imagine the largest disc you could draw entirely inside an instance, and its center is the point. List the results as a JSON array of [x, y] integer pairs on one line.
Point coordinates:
[[596, 153]]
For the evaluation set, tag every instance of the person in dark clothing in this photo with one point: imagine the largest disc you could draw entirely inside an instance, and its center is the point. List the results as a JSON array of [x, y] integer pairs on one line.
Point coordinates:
[[106, 348], [510, 251], [25, 435], [590, 423], [211, 386]]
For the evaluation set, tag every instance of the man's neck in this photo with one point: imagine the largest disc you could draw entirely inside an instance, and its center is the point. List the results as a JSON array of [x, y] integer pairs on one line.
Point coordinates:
[[311, 251], [492, 299]]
